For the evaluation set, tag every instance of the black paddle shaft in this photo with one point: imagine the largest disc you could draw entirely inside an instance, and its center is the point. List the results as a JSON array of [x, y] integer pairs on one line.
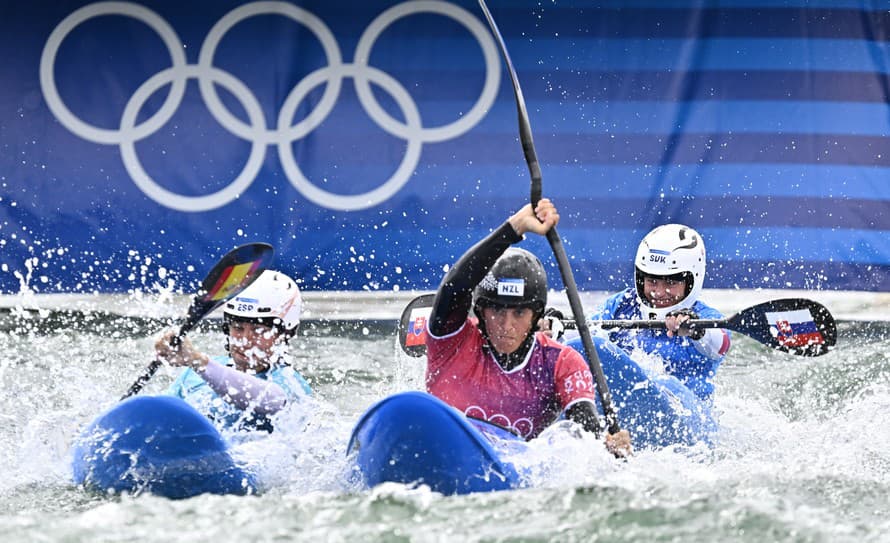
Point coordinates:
[[531, 159], [692, 324], [596, 367]]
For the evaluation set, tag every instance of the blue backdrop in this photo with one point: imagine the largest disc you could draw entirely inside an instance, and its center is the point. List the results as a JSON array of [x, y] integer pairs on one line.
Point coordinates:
[[373, 142]]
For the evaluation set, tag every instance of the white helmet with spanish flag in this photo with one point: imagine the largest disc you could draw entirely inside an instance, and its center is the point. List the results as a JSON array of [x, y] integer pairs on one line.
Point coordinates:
[[272, 299], [670, 251]]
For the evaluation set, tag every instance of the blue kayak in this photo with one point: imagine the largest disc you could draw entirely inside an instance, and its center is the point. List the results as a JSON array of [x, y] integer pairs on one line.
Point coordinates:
[[413, 437], [657, 410], [157, 444]]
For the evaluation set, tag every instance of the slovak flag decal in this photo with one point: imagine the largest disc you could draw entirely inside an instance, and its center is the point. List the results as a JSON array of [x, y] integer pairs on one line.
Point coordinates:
[[794, 328], [417, 327]]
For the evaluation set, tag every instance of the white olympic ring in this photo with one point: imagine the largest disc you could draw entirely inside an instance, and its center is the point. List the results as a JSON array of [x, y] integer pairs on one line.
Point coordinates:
[[522, 427], [284, 134]]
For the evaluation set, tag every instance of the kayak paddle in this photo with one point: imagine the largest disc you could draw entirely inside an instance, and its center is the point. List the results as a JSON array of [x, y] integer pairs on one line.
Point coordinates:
[[793, 325], [565, 270], [232, 274]]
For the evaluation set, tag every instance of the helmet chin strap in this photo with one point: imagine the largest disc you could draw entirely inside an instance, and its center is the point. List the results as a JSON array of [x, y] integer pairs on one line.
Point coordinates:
[[647, 307]]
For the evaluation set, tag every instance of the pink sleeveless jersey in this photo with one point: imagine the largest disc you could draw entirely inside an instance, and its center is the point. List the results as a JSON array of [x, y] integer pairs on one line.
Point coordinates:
[[462, 373]]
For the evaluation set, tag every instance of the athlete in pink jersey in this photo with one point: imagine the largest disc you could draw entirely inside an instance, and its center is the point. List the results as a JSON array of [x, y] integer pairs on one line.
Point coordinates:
[[496, 367]]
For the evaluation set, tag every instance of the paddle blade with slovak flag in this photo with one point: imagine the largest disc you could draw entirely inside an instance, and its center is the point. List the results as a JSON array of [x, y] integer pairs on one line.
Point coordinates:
[[794, 325], [413, 325]]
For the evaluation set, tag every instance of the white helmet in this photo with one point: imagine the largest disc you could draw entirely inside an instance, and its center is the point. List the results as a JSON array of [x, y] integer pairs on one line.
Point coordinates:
[[670, 250], [273, 299]]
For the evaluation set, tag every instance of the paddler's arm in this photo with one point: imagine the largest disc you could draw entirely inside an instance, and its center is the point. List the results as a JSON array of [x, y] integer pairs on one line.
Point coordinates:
[[240, 389], [714, 343], [584, 414], [455, 295], [244, 391]]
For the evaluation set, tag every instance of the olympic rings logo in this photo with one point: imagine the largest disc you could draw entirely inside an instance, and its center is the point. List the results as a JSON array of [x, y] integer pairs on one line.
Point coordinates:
[[256, 132], [522, 427]]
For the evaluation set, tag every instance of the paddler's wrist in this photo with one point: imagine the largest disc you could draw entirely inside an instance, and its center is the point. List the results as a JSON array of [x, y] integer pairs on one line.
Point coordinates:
[[199, 362], [510, 232], [517, 223]]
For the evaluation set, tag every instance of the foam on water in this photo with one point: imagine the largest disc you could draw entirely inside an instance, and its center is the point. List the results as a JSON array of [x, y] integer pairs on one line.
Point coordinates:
[[802, 453]]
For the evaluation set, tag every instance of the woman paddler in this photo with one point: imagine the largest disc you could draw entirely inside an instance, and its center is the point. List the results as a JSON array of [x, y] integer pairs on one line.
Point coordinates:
[[255, 381], [495, 366]]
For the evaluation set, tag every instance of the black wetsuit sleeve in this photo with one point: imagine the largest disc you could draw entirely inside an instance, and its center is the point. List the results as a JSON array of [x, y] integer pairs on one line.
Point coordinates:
[[455, 295], [584, 414]]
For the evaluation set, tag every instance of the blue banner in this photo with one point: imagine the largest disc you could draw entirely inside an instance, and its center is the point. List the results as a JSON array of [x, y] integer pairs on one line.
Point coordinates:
[[373, 142]]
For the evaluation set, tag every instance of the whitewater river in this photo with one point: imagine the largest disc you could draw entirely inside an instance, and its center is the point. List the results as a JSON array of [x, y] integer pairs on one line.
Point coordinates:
[[803, 453]]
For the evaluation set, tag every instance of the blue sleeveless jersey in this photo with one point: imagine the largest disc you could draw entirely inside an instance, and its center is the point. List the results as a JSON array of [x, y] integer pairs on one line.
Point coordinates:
[[192, 388], [681, 357]]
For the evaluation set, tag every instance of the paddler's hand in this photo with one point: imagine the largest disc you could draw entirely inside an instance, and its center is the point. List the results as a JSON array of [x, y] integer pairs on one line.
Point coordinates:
[[183, 355], [551, 323], [619, 444], [674, 323], [540, 220]]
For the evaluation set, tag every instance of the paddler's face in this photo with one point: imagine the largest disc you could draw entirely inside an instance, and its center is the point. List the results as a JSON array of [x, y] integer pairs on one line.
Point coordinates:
[[663, 292], [507, 327], [252, 346]]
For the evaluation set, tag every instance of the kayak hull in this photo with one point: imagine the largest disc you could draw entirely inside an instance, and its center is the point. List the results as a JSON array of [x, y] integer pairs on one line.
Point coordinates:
[[657, 410], [160, 445], [415, 438]]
